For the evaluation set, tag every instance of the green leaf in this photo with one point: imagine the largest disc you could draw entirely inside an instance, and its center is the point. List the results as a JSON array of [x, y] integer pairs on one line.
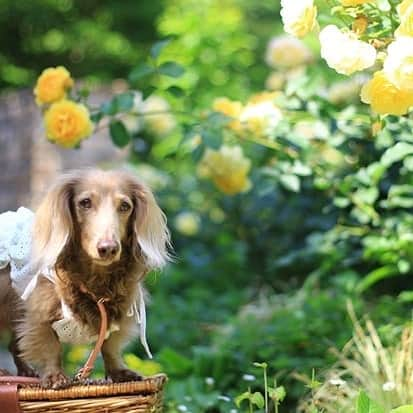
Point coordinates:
[[147, 91], [84, 92], [211, 138], [171, 69], [157, 48], [218, 119], [408, 163], [198, 152], [408, 408], [139, 72], [244, 396], [124, 101], [96, 117], [362, 403], [176, 91], [175, 363], [396, 153], [258, 399], [119, 134], [120, 103], [262, 365], [377, 275], [109, 108], [341, 202], [365, 405], [298, 168], [278, 394], [400, 196], [366, 195], [290, 182]]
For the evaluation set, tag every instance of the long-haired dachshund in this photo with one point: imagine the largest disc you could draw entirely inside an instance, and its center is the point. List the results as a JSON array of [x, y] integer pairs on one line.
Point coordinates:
[[96, 234]]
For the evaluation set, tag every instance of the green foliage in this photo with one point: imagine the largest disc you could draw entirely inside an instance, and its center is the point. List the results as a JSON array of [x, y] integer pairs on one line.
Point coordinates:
[[403, 409], [96, 39], [365, 405], [119, 134]]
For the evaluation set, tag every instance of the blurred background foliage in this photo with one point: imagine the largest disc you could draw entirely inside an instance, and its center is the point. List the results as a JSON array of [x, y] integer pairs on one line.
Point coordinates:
[[264, 274]]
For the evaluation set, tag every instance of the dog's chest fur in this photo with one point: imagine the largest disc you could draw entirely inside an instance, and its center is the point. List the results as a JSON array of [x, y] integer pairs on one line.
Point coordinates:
[[116, 283]]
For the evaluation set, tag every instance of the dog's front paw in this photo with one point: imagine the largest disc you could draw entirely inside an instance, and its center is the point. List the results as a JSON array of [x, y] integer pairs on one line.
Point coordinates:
[[121, 375], [55, 380], [26, 371]]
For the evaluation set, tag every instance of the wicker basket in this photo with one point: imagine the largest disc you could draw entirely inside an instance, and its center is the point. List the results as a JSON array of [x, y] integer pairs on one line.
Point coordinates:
[[132, 397]]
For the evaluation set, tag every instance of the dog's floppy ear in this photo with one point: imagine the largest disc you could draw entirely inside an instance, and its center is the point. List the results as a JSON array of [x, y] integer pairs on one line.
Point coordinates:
[[53, 225], [150, 230]]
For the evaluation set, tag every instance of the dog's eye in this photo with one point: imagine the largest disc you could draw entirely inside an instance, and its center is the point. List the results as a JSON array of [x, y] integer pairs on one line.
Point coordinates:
[[85, 203], [124, 207]]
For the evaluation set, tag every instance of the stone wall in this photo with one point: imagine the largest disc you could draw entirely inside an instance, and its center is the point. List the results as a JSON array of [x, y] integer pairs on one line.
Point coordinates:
[[29, 163], [17, 116]]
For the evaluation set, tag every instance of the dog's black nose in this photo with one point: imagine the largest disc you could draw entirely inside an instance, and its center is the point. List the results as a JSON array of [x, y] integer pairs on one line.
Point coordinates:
[[107, 248]]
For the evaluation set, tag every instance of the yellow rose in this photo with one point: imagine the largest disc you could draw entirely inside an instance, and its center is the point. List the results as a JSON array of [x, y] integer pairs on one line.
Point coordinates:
[[261, 119], [187, 223], [403, 7], [264, 97], [352, 3], [344, 52], [228, 168], [275, 81], [229, 108], [52, 85], [67, 123], [384, 97], [406, 23], [398, 65], [286, 52], [299, 17], [158, 118]]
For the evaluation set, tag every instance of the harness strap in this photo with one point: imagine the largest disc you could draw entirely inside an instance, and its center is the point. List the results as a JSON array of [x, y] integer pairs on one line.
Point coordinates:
[[85, 371]]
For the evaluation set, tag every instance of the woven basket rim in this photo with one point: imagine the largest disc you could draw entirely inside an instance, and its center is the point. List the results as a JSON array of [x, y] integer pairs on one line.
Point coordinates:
[[147, 386]]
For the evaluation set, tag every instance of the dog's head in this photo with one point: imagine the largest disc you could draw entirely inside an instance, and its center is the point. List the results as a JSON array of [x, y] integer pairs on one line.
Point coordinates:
[[104, 212]]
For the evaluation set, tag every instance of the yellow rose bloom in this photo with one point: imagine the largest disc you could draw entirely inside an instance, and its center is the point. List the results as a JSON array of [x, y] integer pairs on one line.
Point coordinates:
[[67, 123], [261, 119], [384, 97], [398, 65], [229, 108], [352, 3], [275, 81], [228, 168], [403, 7], [158, 118], [187, 223], [406, 24], [344, 52], [264, 97], [299, 17], [52, 85], [287, 52]]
